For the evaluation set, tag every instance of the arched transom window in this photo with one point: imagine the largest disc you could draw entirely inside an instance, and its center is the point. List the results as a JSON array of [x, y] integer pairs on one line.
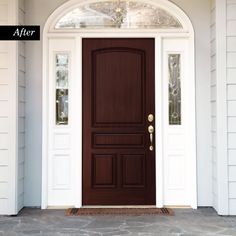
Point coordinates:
[[118, 14]]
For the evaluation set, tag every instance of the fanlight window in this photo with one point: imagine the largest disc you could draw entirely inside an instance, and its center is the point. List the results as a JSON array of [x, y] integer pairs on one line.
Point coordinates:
[[118, 14]]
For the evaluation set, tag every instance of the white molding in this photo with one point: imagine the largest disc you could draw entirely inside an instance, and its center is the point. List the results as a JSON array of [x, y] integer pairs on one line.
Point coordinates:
[[159, 122], [221, 110], [192, 117], [188, 33], [78, 135], [120, 34]]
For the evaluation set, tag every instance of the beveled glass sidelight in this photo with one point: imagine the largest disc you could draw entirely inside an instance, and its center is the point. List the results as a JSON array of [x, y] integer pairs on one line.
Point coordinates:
[[174, 62], [62, 89], [62, 61], [62, 106], [118, 14]]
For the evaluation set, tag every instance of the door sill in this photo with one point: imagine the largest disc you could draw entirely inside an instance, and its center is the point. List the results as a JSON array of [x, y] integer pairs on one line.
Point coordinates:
[[178, 206], [58, 207], [125, 206]]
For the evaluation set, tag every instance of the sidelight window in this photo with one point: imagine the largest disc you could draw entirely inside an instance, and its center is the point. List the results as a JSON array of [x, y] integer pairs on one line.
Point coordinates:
[[62, 88], [174, 63]]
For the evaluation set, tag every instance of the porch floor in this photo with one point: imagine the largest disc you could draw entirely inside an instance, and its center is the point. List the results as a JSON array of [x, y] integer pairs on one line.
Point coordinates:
[[186, 222]]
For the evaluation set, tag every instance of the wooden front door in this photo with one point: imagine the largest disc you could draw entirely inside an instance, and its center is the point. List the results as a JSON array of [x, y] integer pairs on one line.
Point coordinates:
[[118, 96]]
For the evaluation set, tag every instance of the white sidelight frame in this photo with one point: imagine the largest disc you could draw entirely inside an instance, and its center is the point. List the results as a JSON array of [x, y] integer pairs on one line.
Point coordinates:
[[184, 35]]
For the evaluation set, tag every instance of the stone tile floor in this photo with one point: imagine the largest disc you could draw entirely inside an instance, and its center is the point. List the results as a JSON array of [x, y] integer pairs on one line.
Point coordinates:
[[35, 222]]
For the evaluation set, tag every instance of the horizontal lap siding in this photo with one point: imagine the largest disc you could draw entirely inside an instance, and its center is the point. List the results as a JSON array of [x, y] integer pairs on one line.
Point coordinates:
[[231, 97], [4, 115], [12, 112], [5, 104]]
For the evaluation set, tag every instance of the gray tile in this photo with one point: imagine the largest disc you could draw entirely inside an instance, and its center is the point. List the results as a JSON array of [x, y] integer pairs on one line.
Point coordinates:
[[186, 222]]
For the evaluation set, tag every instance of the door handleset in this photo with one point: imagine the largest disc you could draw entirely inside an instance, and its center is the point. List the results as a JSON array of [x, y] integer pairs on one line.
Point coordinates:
[[151, 131]]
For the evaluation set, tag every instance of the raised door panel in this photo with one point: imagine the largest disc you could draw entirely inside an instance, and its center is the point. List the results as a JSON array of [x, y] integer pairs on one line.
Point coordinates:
[[118, 86], [133, 171], [118, 140], [104, 171]]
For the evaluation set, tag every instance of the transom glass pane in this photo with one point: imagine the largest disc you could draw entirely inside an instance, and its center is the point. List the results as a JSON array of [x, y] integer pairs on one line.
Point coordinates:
[[174, 89], [62, 73], [120, 14]]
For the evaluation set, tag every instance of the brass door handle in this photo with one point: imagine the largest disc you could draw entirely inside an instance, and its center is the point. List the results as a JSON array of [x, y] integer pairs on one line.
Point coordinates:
[[151, 131]]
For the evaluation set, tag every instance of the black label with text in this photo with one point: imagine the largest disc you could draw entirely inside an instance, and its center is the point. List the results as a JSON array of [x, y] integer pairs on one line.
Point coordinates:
[[18, 33]]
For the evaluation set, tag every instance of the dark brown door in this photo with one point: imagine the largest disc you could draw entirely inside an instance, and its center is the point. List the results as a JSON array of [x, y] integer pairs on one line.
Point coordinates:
[[118, 96]]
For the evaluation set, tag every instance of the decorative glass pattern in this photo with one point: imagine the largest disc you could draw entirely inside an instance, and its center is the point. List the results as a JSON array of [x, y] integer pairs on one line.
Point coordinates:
[[62, 73], [118, 14], [174, 89]]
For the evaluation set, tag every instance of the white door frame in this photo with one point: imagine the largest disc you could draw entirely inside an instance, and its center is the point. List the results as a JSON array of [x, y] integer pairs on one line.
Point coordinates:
[[160, 36]]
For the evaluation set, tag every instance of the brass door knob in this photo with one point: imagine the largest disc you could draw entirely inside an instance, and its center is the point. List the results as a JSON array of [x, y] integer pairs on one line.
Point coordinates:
[[150, 117]]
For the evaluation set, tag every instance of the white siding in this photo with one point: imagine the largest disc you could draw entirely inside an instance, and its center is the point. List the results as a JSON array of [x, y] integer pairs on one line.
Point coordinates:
[[232, 190], [232, 124], [222, 58], [231, 75], [231, 44], [4, 16], [21, 110], [231, 97], [7, 112], [12, 113], [232, 157], [232, 206]]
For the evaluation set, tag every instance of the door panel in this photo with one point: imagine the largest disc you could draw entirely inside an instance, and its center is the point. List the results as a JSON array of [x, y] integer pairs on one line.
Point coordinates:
[[101, 178], [133, 171], [110, 105], [118, 96]]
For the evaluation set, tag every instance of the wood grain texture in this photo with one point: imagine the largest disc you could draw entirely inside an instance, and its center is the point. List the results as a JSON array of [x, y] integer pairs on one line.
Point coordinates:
[[118, 95]]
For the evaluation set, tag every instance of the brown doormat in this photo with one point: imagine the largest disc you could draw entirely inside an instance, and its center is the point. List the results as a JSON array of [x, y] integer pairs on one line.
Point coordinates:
[[119, 211]]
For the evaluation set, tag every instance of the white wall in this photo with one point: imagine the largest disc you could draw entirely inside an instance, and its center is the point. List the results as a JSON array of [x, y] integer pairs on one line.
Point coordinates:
[[231, 101], [37, 12]]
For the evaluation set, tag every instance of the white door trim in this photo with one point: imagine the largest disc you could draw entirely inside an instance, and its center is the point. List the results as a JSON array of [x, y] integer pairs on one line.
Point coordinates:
[[160, 145]]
